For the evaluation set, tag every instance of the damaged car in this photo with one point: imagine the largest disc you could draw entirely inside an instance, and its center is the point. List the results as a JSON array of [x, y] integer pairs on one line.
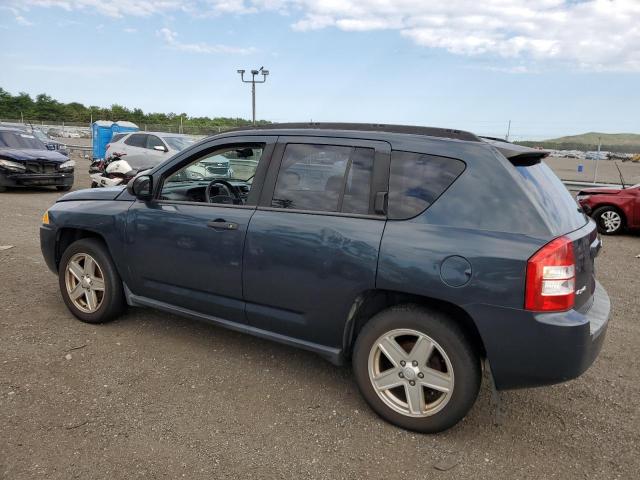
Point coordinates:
[[25, 161]]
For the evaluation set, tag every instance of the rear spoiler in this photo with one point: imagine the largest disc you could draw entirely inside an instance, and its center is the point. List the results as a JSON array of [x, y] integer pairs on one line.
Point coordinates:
[[517, 154]]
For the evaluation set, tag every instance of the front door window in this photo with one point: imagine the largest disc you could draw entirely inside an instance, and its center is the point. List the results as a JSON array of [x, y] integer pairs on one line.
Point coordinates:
[[222, 176]]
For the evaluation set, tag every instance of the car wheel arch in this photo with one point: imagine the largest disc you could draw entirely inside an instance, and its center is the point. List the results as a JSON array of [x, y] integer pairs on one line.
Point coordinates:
[[68, 235], [369, 303]]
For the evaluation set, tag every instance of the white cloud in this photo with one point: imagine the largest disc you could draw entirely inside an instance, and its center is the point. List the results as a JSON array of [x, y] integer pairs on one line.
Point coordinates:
[[130, 30], [594, 34], [171, 39], [588, 34], [18, 17], [111, 8]]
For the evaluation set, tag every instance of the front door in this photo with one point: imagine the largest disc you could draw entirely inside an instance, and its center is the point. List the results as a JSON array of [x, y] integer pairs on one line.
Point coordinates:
[[312, 245], [187, 243]]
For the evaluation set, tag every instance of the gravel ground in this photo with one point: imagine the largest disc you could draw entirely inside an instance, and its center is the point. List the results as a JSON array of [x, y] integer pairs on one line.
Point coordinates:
[[156, 396], [567, 169]]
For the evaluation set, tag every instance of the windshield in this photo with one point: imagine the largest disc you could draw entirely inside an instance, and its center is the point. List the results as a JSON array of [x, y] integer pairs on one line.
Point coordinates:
[[20, 140], [41, 135], [179, 143]]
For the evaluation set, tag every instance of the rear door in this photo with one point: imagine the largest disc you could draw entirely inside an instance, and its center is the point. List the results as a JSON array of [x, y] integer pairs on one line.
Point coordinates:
[[312, 245]]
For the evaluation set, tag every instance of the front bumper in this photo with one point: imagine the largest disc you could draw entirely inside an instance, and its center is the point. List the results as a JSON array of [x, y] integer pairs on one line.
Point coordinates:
[[36, 179], [48, 245], [527, 349]]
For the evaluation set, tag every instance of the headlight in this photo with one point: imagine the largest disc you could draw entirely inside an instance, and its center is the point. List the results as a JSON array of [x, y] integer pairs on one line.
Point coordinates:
[[13, 166], [582, 197], [68, 165]]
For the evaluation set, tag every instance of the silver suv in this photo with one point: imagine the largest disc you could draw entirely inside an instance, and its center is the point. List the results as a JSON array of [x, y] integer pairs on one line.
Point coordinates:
[[143, 150]]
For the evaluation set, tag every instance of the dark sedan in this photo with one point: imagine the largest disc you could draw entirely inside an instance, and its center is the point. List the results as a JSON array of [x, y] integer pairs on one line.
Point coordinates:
[[25, 161]]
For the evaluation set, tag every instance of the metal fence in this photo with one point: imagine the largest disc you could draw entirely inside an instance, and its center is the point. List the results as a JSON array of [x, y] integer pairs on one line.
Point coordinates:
[[75, 129]]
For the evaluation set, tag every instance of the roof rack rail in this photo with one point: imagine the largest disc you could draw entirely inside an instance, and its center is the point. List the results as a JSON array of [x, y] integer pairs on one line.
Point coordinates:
[[369, 127]]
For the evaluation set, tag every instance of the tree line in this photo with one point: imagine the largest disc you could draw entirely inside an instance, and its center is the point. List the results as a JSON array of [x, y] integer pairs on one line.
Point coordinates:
[[45, 108]]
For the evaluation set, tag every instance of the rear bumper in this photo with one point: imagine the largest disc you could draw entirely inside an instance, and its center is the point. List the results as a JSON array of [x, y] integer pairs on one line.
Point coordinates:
[[527, 349], [36, 179]]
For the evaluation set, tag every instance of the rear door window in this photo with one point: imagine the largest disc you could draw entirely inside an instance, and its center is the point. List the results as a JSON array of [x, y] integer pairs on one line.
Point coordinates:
[[328, 178], [137, 140], [416, 180]]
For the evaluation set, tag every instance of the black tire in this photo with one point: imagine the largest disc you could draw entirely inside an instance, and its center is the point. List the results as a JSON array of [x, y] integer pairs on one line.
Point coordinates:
[[451, 338], [94, 185], [603, 228], [63, 188], [113, 300]]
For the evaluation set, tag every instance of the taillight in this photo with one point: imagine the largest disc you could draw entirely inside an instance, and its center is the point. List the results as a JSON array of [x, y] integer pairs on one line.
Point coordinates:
[[551, 277]]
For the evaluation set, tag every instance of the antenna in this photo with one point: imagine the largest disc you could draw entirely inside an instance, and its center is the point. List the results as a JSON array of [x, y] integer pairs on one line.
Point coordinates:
[[621, 177]]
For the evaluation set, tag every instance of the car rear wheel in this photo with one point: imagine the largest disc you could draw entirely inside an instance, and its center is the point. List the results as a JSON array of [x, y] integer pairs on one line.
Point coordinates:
[[89, 282], [416, 368], [609, 220]]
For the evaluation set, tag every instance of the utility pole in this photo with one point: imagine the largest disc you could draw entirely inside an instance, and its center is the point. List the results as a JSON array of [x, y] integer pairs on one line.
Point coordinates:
[[253, 82], [508, 131], [595, 173]]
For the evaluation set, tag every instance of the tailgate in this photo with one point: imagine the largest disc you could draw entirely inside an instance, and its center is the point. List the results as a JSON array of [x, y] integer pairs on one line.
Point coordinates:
[[586, 246]]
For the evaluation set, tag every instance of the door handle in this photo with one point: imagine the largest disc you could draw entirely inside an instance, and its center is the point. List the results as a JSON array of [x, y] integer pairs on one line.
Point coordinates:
[[222, 224]]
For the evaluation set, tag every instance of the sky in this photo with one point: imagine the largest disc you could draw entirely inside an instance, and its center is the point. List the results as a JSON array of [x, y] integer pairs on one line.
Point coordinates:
[[552, 67]]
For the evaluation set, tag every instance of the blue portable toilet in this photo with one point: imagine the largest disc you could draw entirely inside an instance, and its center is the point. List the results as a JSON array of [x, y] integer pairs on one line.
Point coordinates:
[[102, 134], [124, 127], [103, 130]]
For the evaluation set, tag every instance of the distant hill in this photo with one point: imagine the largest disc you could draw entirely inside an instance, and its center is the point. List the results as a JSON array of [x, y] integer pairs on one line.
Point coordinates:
[[611, 142]]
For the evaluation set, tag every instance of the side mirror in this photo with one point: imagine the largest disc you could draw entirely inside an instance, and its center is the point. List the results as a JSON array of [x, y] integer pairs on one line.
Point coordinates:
[[161, 148], [141, 187]]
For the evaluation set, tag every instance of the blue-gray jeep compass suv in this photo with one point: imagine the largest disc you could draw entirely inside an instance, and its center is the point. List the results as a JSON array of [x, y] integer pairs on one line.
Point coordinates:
[[417, 253]]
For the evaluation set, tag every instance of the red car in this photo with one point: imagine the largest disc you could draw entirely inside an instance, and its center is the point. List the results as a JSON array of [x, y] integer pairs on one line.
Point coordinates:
[[613, 209]]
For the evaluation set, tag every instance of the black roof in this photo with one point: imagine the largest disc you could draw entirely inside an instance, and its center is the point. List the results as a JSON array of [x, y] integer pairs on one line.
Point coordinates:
[[368, 127]]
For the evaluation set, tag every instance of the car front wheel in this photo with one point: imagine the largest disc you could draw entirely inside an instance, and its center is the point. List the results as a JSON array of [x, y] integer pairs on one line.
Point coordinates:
[[416, 368], [609, 220], [89, 282]]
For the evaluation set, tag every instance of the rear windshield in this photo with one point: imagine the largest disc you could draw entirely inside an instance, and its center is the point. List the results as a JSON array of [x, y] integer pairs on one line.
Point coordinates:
[[20, 140], [117, 137], [559, 209]]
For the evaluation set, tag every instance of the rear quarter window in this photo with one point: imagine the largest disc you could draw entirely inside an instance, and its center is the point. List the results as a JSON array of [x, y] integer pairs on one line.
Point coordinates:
[[559, 209], [416, 180]]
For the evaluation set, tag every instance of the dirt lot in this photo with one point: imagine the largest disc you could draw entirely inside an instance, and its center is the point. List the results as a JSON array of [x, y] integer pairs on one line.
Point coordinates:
[[567, 169], [157, 396]]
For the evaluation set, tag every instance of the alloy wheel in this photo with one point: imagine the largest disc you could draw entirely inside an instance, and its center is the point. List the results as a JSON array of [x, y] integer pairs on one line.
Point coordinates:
[[85, 283], [411, 373], [611, 220]]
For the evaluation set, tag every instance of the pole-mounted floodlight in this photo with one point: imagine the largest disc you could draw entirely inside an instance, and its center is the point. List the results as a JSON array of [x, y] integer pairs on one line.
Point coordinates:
[[253, 82]]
